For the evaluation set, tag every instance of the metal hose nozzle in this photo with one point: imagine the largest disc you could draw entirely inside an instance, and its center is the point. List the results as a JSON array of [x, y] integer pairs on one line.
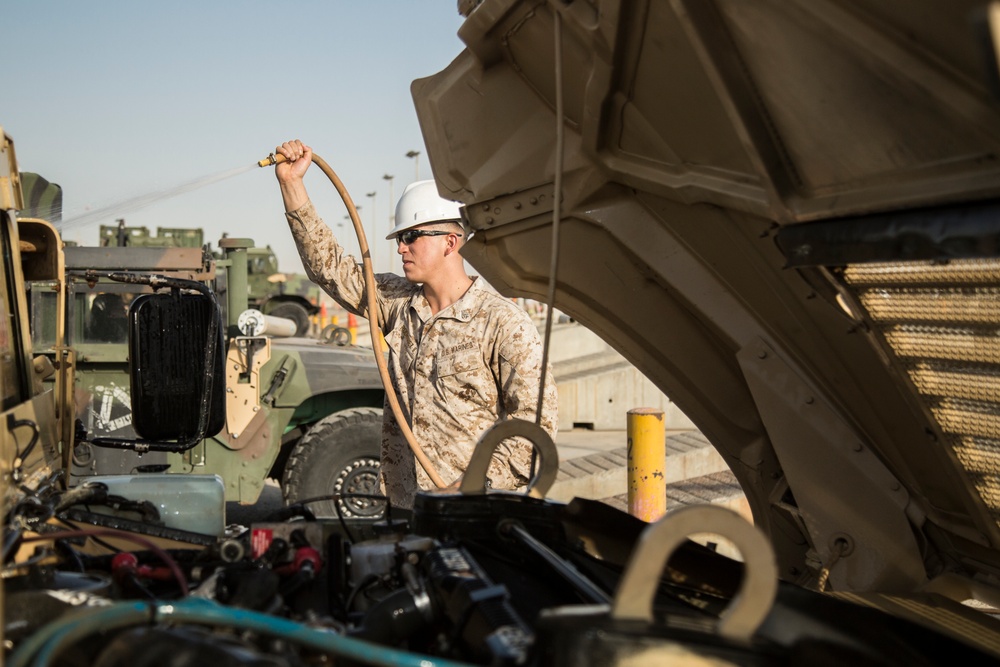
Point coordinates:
[[271, 160]]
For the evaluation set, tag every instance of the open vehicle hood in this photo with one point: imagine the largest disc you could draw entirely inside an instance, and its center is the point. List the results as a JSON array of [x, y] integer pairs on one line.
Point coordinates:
[[784, 214]]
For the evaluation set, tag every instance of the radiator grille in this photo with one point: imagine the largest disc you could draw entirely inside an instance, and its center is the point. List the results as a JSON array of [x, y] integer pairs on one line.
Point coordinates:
[[942, 322]]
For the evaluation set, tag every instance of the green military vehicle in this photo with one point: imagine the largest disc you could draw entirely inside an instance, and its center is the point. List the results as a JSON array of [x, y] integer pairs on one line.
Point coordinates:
[[288, 295], [299, 410], [35, 423]]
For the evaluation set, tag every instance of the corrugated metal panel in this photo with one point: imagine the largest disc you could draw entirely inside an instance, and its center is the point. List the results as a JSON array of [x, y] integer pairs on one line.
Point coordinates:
[[942, 321]]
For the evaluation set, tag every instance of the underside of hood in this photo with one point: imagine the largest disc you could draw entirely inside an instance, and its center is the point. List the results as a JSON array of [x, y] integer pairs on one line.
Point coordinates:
[[782, 212]]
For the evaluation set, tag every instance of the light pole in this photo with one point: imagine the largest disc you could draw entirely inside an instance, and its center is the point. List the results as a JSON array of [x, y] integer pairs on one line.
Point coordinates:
[[392, 215], [371, 245], [348, 218], [416, 164]]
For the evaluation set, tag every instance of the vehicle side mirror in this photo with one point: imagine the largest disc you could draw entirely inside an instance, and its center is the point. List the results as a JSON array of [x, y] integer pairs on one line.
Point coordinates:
[[170, 353]]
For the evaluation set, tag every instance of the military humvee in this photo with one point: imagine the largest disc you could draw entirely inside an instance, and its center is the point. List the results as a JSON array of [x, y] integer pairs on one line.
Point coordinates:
[[269, 290], [785, 213], [305, 412]]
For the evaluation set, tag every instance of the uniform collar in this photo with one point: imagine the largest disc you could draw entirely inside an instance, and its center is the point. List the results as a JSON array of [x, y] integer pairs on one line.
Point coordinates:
[[461, 311]]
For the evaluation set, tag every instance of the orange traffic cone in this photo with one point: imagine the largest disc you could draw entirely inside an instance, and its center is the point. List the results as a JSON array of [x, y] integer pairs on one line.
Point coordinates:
[[352, 326]]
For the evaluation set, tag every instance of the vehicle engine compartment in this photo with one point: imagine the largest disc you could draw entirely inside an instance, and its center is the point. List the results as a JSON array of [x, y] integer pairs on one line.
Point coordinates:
[[496, 579]]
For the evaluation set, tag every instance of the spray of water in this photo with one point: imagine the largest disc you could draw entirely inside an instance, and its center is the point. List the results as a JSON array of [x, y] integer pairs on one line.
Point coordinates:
[[118, 209]]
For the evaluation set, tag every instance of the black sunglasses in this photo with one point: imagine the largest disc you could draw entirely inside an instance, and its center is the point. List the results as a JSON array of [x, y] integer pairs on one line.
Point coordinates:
[[411, 235]]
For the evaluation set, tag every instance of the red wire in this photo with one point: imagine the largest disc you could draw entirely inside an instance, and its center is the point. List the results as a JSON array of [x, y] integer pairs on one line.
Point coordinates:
[[129, 537]]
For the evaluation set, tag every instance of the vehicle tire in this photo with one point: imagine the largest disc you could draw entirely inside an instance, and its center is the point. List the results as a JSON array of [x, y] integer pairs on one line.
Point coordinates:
[[338, 455], [294, 312]]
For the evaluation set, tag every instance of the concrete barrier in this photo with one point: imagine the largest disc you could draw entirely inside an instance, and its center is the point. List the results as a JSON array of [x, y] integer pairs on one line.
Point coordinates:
[[597, 386]]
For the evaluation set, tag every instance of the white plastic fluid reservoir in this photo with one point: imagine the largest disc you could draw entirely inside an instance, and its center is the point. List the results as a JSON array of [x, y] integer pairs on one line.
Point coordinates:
[[196, 503], [252, 322]]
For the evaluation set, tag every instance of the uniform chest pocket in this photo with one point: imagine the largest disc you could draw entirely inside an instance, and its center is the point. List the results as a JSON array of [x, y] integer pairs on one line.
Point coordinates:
[[465, 384], [461, 364], [401, 347]]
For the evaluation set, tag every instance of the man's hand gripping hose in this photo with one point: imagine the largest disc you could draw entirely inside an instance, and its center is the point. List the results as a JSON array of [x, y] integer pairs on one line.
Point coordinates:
[[369, 274]]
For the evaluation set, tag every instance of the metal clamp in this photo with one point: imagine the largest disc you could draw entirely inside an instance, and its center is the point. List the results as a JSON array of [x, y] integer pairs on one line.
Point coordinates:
[[752, 602], [476, 474]]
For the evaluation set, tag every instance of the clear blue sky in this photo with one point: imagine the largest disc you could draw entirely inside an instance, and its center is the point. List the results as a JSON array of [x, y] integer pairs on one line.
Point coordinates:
[[119, 101]]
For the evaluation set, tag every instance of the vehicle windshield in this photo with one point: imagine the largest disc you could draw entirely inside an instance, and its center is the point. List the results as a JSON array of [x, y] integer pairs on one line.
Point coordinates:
[[96, 315], [105, 316]]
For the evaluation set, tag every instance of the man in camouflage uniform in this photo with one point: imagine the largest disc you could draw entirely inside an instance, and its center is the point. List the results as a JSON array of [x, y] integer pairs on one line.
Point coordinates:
[[461, 356]]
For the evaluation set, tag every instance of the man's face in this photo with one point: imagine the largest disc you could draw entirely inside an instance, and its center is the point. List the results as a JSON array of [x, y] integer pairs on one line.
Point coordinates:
[[424, 255]]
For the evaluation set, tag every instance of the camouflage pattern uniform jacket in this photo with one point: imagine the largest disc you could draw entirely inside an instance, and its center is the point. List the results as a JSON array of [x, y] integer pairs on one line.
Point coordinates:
[[455, 373]]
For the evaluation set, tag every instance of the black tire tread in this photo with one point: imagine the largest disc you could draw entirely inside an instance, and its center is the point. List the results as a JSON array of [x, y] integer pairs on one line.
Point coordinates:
[[320, 435]]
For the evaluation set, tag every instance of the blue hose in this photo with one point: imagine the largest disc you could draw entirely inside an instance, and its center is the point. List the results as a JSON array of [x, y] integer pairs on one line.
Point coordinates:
[[55, 637], [78, 624]]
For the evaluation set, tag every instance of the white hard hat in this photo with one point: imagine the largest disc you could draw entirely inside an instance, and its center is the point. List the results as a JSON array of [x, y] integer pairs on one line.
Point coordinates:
[[420, 204]]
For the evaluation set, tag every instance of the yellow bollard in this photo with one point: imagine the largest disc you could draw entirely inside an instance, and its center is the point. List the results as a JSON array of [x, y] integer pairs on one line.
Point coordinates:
[[647, 451]]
